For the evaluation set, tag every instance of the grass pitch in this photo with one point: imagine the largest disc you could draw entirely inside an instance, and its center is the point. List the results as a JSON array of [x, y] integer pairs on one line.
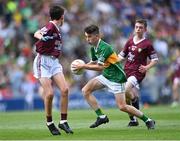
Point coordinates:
[[31, 125]]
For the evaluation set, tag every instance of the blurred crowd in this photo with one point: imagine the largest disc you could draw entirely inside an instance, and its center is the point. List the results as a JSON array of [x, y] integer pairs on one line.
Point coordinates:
[[19, 19]]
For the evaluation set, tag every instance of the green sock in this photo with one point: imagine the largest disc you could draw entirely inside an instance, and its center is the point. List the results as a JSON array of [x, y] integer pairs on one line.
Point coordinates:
[[99, 112], [144, 118]]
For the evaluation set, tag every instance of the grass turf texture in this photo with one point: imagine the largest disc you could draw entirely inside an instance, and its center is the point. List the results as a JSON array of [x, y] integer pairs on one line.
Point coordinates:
[[31, 125]]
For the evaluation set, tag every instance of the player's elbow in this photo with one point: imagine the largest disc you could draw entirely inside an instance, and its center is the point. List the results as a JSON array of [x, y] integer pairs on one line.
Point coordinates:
[[37, 34], [156, 62], [100, 68]]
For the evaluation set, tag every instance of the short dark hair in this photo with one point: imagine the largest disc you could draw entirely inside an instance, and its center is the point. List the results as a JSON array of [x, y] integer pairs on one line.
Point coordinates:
[[92, 29], [142, 21], [56, 12]]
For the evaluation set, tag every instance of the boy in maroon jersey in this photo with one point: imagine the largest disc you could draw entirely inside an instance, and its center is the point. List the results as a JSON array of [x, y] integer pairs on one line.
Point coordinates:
[[47, 67], [137, 50]]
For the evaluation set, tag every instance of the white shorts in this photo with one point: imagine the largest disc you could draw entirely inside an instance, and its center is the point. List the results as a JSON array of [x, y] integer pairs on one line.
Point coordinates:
[[133, 81], [113, 87], [46, 66]]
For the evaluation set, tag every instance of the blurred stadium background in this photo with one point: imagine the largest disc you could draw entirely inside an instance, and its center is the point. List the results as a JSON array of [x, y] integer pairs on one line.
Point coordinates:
[[19, 19]]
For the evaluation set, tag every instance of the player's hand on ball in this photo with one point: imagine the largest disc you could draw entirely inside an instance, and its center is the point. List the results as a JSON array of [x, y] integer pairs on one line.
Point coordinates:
[[77, 66]]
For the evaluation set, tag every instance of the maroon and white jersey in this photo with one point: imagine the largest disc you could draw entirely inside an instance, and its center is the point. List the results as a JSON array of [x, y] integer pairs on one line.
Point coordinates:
[[176, 68], [137, 54], [51, 47]]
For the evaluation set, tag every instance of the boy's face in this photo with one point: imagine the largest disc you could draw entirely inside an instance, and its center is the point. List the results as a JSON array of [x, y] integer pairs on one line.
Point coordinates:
[[140, 28], [92, 39]]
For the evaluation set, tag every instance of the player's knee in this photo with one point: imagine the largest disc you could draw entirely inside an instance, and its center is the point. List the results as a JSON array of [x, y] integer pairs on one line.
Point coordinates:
[[48, 91], [123, 107], [129, 94], [49, 94], [65, 92], [85, 91], [127, 90]]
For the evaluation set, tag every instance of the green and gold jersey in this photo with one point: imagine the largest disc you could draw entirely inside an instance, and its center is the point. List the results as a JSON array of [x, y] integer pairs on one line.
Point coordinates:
[[105, 55]]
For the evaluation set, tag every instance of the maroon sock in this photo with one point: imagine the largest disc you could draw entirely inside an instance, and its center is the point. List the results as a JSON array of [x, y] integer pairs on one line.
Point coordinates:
[[49, 118], [63, 116]]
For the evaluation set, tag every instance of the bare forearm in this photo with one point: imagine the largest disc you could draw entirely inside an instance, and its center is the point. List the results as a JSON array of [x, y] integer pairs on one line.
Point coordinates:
[[143, 69], [95, 67], [38, 35], [92, 65], [151, 64]]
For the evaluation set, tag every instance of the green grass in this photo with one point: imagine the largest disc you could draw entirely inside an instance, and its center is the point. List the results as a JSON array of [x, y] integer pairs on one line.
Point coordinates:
[[31, 125]]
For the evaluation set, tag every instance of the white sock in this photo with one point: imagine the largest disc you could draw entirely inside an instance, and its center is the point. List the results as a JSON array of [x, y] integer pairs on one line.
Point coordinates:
[[63, 121], [49, 123], [134, 119], [102, 116], [148, 119]]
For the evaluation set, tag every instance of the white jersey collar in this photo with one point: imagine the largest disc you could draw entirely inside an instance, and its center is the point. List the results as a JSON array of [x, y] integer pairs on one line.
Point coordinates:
[[135, 40], [95, 48], [55, 25]]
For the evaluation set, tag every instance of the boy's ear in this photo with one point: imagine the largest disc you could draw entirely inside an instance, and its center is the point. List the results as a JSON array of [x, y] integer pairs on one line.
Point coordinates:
[[145, 29], [101, 35]]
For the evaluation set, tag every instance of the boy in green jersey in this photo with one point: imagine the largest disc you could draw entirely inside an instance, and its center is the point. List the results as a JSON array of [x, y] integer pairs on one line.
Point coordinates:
[[113, 78]]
